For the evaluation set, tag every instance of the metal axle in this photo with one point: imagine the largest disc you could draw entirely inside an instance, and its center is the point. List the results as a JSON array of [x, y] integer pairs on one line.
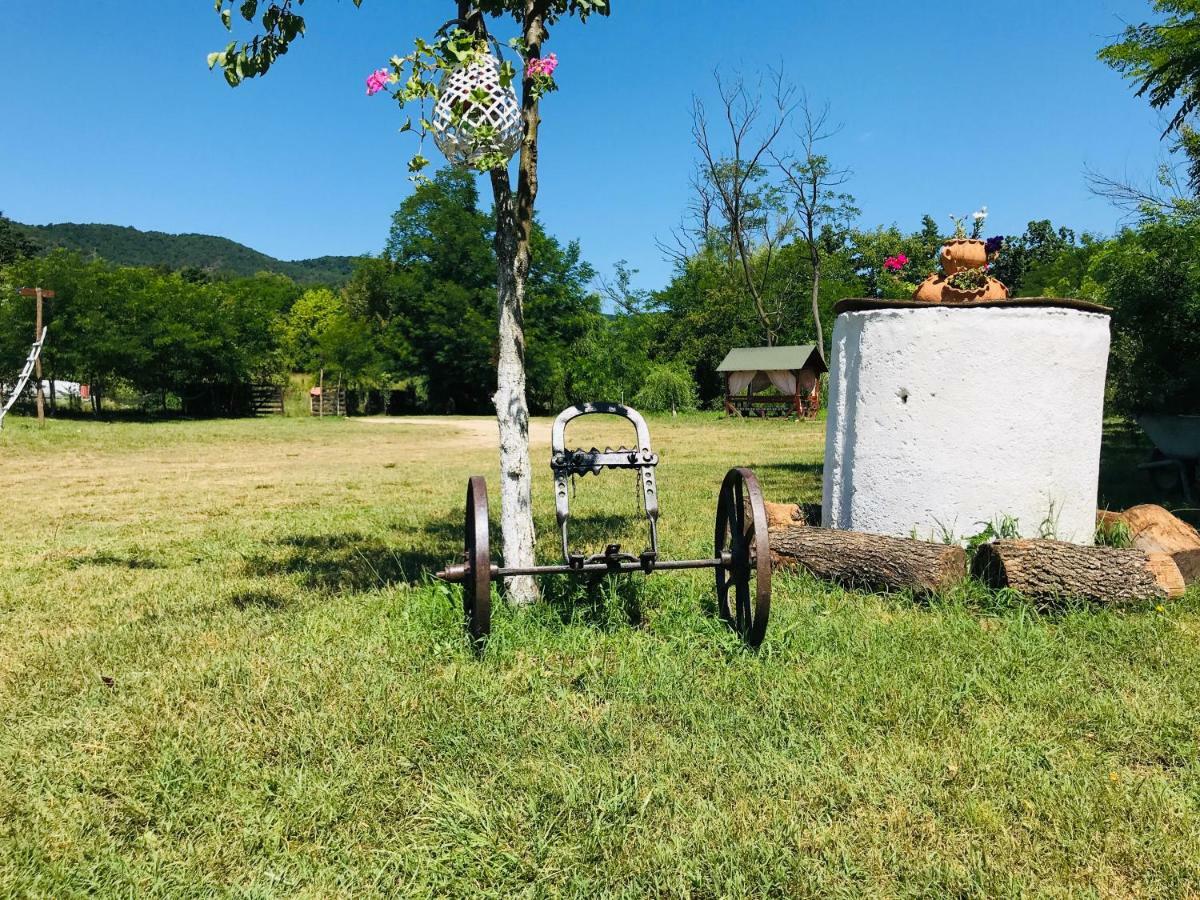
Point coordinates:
[[458, 574]]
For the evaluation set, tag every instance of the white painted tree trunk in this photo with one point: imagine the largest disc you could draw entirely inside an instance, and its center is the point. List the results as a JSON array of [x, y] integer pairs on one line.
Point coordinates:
[[512, 416]]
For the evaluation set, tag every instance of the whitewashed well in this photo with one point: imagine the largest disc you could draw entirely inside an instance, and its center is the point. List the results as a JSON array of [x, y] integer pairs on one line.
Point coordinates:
[[942, 418]]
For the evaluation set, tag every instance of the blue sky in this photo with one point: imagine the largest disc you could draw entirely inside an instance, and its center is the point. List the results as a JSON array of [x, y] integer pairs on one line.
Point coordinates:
[[111, 115]]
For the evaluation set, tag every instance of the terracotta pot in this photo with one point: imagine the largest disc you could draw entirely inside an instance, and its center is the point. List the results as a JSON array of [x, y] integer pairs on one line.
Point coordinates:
[[951, 294], [930, 290], [995, 290], [963, 253]]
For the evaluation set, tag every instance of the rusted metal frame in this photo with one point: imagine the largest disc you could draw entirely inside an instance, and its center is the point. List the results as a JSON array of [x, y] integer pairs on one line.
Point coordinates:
[[567, 464], [742, 549]]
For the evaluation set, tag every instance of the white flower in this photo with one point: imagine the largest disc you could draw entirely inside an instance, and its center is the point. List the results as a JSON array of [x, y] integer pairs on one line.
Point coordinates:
[[980, 214]]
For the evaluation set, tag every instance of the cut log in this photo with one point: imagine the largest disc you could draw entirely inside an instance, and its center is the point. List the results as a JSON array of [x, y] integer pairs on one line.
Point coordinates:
[[869, 561], [1053, 570], [785, 515], [1155, 530]]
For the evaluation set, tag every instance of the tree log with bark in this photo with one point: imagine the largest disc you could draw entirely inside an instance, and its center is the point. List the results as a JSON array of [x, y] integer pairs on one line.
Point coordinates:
[[869, 561], [1155, 530], [1048, 571]]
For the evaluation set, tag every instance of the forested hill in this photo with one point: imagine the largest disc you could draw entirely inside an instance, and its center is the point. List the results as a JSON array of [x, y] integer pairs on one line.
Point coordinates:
[[130, 247]]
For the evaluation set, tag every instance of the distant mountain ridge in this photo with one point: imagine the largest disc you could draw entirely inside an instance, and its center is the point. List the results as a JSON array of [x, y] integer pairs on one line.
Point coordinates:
[[128, 246]]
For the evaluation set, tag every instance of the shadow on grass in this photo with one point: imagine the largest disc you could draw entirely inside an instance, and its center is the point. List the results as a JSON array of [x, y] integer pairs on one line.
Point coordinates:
[[113, 560], [793, 482], [592, 532], [351, 561], [260, 599]]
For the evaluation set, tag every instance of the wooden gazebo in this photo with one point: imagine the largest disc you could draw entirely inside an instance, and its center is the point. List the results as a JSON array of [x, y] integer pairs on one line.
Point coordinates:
[[793, 372]]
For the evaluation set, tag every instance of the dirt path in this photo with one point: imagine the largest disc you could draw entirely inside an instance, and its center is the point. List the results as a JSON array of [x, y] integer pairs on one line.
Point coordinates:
[[478, 431]]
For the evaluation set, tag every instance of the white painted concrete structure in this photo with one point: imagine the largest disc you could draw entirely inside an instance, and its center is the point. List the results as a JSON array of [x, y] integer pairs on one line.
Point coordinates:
[[942, 418]]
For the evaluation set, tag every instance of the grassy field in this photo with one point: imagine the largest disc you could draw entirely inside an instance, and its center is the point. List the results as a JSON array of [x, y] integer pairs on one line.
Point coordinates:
[[224, 670]]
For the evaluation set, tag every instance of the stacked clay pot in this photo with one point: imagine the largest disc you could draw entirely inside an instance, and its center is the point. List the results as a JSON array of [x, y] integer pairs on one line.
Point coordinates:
[[958, 255]]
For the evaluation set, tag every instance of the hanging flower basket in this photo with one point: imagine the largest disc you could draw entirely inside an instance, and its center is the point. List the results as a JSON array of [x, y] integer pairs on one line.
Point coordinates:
[[476, 118]]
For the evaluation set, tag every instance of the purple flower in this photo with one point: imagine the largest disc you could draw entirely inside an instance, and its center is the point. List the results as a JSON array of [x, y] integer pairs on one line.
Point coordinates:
[[994, 244]]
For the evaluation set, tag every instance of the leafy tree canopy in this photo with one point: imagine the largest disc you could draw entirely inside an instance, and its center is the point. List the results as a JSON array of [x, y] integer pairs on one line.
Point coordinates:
[[1163, 58], [280, 23], [14, 242]]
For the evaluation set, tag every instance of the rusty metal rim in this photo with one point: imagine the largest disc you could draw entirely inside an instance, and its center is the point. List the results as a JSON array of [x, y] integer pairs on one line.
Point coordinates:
[[747, 542], [477, 586]]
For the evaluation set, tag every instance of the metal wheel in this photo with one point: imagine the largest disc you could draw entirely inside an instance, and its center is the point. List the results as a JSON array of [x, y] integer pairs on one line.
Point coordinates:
[[477, 585], [743, 543], [1165, 478]]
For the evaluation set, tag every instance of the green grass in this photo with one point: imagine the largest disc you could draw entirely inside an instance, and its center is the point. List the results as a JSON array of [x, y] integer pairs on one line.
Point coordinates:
[[225, 671]]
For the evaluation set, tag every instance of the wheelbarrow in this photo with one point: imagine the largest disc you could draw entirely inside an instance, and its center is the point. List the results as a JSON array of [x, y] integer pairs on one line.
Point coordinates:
[[1173, 461], [741, 554]]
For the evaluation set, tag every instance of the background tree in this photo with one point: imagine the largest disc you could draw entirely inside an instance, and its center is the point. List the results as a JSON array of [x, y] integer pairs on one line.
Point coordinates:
[[1150, 278], [812, 185], [1020, 254], [1163, 60], [514, 213], [754, 221], [14, 243]]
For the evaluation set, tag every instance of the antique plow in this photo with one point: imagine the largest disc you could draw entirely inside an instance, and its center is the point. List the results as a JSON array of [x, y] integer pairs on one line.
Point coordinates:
[[741, 556]]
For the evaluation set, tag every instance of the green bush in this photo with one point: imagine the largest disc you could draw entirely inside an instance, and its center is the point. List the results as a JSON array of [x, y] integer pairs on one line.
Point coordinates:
[[667, 388]]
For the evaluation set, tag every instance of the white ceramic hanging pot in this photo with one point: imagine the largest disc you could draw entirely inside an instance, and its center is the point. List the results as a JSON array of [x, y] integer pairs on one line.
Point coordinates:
[[481, 128]]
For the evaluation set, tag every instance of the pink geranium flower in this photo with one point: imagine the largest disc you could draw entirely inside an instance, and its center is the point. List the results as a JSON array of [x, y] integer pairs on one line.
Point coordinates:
[[542, 66], [895, 263], [377, 81]]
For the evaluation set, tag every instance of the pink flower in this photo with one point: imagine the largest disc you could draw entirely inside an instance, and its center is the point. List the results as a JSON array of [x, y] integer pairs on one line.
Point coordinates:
[[542, 66], [895, 263], [377, 81]]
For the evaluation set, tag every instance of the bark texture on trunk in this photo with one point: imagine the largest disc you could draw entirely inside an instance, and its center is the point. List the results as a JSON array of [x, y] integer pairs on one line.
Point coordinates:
[[514, 226], [869, 561], [816, 302], [1052, 570], [512, 411]]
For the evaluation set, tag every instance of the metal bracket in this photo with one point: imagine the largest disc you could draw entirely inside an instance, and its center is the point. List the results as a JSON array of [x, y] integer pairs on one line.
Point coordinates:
[[569, 463]]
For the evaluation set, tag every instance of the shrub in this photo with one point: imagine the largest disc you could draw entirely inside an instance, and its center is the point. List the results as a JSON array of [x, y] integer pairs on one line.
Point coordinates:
[[666, 388]]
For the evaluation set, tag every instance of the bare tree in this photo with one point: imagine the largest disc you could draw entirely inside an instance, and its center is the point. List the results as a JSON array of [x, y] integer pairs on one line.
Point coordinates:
[[696, 230], [1174, 191], [620, 290], [812, 184], [754, 220]]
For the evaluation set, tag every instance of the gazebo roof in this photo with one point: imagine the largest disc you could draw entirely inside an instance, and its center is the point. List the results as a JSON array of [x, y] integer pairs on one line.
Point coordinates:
[[764, 359]]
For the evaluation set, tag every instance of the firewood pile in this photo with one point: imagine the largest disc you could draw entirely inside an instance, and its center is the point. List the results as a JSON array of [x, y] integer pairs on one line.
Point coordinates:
[[1162, 560]]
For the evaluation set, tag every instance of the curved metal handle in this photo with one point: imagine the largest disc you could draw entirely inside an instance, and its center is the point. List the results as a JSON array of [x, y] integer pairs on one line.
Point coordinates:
[[558, 436]]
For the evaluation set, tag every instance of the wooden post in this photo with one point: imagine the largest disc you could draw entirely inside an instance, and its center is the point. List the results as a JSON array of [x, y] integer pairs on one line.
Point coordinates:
[[796, 394], [321, 397], [39, 296]]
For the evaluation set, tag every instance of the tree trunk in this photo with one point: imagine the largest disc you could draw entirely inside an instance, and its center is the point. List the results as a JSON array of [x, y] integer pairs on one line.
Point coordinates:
[[512, 410], [869, 561], [514, 226], [1052, 570], [816, 299]]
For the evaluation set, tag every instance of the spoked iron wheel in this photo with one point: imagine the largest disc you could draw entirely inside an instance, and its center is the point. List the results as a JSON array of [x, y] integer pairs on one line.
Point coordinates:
[[743, 544], [477, 585]]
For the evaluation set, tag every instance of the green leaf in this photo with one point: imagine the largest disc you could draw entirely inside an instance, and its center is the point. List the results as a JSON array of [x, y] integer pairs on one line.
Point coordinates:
[[507, 74]]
